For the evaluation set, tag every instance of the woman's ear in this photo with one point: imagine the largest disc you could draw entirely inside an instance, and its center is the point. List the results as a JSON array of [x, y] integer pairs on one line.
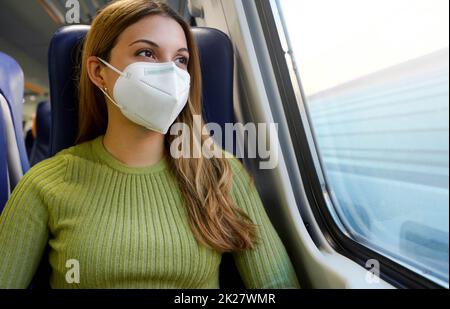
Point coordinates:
[[96, 72]]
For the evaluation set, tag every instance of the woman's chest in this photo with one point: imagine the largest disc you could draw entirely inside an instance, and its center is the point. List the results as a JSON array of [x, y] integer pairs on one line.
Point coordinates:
[[134, 234]]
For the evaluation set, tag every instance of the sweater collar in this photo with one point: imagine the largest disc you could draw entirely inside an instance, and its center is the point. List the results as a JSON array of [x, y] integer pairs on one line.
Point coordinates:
[[103, 154]]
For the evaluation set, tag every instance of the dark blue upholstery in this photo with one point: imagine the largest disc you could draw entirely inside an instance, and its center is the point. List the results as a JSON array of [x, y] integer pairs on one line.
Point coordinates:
[[64, 58], [11, 87], [29, 141], [217, 64], [41, 144], [4, 183], [216, 56]]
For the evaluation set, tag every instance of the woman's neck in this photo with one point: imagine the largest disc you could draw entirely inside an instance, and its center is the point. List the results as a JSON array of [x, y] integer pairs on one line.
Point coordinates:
[[134, 145]]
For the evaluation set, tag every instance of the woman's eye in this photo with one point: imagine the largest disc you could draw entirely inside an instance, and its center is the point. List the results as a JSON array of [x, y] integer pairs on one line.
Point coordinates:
[[182, 60], [146, 53]]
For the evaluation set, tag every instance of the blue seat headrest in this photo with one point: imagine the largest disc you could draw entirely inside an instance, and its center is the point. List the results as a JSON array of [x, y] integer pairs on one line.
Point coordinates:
[[217, 64], [12, 87]]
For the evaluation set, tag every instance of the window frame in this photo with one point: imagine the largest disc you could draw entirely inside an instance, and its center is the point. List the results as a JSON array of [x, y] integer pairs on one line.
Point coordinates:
[[309, 160]]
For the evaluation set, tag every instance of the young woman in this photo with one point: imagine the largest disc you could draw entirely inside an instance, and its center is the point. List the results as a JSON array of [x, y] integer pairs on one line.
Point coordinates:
[[118, 210]]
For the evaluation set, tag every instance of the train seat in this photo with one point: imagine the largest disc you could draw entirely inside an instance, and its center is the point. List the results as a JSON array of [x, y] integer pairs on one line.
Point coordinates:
[[11, 137], [5, 189]]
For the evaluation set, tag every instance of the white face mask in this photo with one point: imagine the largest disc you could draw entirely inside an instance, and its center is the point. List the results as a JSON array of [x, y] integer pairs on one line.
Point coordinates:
[[151, 94]]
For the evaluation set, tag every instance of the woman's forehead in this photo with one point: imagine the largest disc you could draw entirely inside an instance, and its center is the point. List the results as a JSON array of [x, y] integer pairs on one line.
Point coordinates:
[[162, 30]]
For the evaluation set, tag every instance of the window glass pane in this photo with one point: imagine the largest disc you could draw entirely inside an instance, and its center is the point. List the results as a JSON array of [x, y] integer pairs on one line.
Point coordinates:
[[375, 78]]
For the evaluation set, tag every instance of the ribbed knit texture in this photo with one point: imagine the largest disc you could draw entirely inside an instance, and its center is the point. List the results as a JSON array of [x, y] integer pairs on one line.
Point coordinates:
[[127, 227]]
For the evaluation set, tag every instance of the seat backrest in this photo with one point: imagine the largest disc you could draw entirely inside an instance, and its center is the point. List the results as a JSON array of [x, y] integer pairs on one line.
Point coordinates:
[[217, 65], [4, 175], [41, 144], [12, 89]]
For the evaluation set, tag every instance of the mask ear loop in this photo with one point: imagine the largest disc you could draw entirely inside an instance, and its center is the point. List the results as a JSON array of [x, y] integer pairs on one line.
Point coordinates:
[[105, 90], [111, 67], [109, 97]]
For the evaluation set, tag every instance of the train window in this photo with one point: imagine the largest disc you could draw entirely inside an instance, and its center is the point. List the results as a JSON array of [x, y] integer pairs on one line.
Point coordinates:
[[375, 85]]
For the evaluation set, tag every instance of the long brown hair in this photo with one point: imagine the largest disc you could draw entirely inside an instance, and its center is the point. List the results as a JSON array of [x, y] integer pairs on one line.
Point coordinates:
[[214, 218]]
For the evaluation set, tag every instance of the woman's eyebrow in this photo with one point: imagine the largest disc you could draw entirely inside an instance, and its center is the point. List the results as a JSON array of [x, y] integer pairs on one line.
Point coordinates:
[[145, 41], [183, 49]]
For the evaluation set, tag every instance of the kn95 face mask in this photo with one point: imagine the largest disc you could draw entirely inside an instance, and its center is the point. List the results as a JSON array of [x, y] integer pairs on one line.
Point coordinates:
[[150, 94]]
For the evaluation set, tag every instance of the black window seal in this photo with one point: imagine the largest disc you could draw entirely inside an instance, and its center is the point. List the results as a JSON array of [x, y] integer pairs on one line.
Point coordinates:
[[390, 271]]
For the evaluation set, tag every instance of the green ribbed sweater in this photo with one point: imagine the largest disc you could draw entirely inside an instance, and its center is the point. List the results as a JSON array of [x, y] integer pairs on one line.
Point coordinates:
[[127, 227]]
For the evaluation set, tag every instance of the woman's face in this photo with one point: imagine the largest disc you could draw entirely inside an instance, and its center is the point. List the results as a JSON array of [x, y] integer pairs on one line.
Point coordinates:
[[152, 39]]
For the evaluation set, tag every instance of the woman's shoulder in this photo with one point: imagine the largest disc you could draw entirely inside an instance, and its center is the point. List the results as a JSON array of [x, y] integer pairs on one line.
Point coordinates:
[[236, 166], [243, 189], [54, 168], [45, 174], [240, 172]]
